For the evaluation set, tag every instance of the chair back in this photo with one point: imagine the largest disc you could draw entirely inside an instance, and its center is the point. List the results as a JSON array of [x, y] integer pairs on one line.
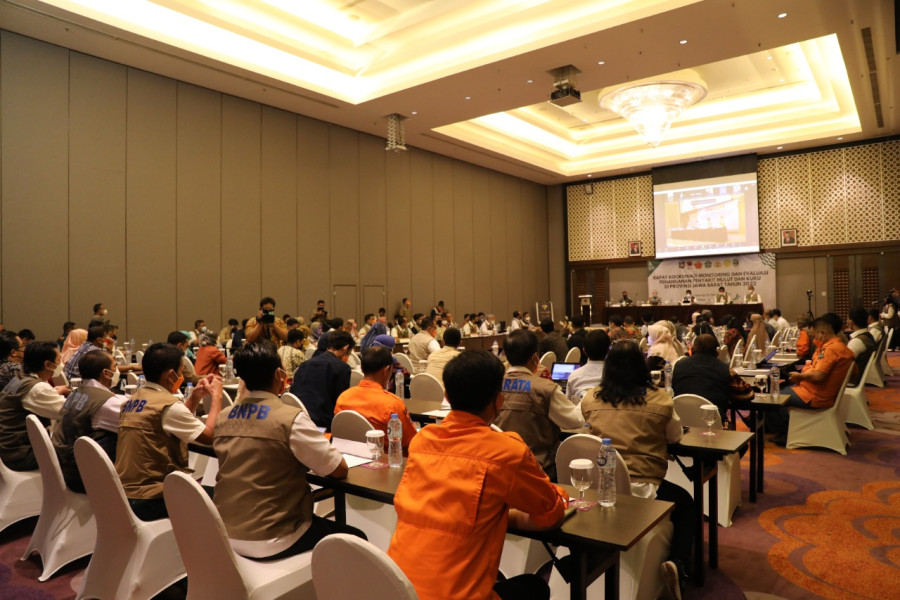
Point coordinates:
[[548, 359], [404, 361], [355, 377], [115, 519], [751, 344], [738, 354], [688, 408], [202, 541], [775, 338], [48, 463], [573, 355], [723, 353], [585, 445], [139, 356], [350, 425], [375, 575], [292, 400], [354, 360], [310, 351], [426, 386], [131, 378]]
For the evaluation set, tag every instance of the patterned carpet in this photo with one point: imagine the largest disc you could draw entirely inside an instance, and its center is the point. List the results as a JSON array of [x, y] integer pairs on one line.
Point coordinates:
[[827, 526]]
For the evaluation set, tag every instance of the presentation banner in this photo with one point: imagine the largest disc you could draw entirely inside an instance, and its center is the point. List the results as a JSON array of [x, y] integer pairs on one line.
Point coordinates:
[[703, 276]]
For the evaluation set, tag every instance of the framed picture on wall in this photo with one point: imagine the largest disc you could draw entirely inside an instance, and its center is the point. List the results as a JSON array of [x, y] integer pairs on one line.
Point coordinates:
[[788, 237], [634, 248]]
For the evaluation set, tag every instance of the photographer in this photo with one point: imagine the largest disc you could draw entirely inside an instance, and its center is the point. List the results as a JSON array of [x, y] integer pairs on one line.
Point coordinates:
[[266, 326]]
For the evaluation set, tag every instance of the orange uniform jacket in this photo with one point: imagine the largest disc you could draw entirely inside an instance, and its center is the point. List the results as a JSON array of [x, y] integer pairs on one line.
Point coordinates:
[[833, 358], [376, 404], [453, 503]]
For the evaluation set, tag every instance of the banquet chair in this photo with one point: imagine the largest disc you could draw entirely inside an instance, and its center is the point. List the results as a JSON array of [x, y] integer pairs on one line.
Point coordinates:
[[21, 494], [548, 358], [875, 375], [213, 568], [748, 351], [737, 355], [139, 356], [426, 386], [350, 425], [65, 530], [855, 403], [573, 355], [820, 427], [723, 354], [375, 575], [775, 338], [355, 377], [639, 577], [132, 559], [292, 400], [354, 360], [131, 378], [310, 351], [404, 361], [728, 481]]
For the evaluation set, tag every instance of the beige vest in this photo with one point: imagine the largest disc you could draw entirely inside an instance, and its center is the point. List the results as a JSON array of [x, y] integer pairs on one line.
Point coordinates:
[[145, 453], [438, 360], [418, 347], [74, 422], [261, 489], [14, 444], [526, 410]]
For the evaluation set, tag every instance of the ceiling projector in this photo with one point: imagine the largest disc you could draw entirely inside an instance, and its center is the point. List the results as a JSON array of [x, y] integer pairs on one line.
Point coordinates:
[[565, 95]]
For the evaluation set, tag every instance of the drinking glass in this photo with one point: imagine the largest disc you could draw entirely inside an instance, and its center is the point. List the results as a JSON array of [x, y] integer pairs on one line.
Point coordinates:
[[581, 470], [130, 389], [375, 443], [708, 414]]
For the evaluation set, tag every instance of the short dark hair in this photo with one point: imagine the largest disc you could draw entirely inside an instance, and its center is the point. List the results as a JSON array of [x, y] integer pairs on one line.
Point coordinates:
[[777, 313], [339, 339], [110, 327], [452, 337], [625, 375], [375, 358], [92, 364], [9, 341], [368, 315], [95, 333], [873, 312], [233, 322], [267, 300], [616, 320], [158, 359], [596, 344], [832, 319], [177, 337], [520, 346], [547, 326], [472, 380], [36, 354], [295, 335], [256, 364], [577, 321], [320, 302], [706, 343], [516, 314], [96, 308], [68, 326], [197, 323], [95, 322], [647, 317], [291, 321], [859, 317], [629, 320], [426, 322], [26, 334]]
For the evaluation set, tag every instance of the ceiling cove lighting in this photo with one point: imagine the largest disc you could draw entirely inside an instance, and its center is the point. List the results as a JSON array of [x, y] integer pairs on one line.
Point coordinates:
[[652, 107]]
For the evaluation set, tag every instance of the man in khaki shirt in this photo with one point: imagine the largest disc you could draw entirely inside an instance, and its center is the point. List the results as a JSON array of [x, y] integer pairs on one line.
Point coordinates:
[[438, 360]]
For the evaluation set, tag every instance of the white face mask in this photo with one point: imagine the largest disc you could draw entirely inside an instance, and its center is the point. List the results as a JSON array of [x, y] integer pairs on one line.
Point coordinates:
[[114, 381], [103, 312], [203, 329]]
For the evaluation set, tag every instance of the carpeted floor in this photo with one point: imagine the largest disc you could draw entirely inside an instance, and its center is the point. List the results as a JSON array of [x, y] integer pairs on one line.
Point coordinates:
[[827, 526]]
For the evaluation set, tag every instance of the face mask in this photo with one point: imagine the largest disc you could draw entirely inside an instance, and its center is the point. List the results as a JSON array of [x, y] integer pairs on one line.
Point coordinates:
[[57, 369], [177, 385], [114, 380], [203, 329], [103, 312]]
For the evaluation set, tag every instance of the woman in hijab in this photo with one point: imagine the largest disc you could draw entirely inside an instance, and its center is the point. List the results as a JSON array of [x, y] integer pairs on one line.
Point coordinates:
[[73, 342], [662, 343], [758, 329]]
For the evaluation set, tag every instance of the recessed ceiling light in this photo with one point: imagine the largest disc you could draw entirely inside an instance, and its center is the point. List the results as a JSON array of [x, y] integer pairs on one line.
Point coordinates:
[[840, 138], [683, 42], [601, 62], [779, 147], [782, 15], [590, 174], [415, 112], [530, 81], [468, 97], [768, 58], [781, 80]]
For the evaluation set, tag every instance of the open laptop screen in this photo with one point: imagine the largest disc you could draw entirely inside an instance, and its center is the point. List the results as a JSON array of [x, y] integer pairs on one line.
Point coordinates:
[[561, 371]]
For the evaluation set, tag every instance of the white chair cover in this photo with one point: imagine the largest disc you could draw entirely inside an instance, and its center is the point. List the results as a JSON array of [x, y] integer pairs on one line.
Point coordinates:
[[426, 386], [548, 359], [573, 355], [350, 425], [375, 575], [21, 494], [65, 531], [820, 427], [855, 402], [355, 377], [404, 361], [132, 559]]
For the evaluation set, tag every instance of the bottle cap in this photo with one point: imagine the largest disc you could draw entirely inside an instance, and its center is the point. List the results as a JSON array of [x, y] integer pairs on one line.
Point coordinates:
[[607, 441], [394, 415]]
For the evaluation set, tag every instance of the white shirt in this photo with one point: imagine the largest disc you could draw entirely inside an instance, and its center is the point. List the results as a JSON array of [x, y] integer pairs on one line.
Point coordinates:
[[855, 343], [44, 401], [470, 328], [876, 332], [312, 449], [489, 327], [562, 412], [781, 324], [107, 418], [583, 379], [514, 324], [178, 420]]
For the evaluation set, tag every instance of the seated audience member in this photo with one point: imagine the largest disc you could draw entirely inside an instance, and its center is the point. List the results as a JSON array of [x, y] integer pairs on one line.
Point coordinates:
[[578, 337], [320, 380], [758, 332], [471, 327], [29, 393], [265, 325], [67, 327], [630, 328], [584, 378], [265, 449], [12, 350], [351, 328], [74, 341], [371, 399], [92, 410], [817, 385], [734, 333], [861, 343], [423, 344], [437, 361], [646, 322], [516, 322], [27, 336], [438, 309], [194, 334], [490, 326], [552, 341], [225, 335], [292, 353], [805, 347], [379, 327], [769, 322], [237, 338], [291, 322], [94, 340], [641, 419], [662, 343], [780, 323], [534, 407], [703, 374], [401, 329], [487, 481], [368, 321], [616, 330], [873, 321], [181, 341], [155, 428], [208, 357]]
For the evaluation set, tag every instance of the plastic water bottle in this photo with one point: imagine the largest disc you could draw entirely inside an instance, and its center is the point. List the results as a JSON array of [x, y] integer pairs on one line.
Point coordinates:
[[188, 390], [495, 348], [774, 382], [229, 370], [399, 387], [668, 373], [141, 381], [606, 463], [395, 441]]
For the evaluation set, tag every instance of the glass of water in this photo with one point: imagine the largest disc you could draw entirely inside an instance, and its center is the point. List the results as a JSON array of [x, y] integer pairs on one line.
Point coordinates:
[[708, 414], [581, 470], [375, 443]]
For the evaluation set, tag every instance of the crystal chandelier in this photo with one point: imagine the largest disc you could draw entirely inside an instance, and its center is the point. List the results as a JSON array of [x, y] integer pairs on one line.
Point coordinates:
[[651, 107]]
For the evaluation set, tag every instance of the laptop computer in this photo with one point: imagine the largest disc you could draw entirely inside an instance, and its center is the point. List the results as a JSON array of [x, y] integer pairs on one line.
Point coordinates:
[[764, 364], [560, 372]]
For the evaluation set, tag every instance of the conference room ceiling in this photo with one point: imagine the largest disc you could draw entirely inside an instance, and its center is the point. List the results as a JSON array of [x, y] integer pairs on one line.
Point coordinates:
[[471, 77]]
